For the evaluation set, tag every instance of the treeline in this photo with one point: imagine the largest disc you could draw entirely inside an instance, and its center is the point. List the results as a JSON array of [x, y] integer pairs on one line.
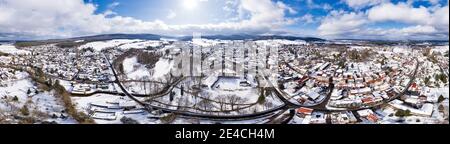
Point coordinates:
[[359, 56], [3, 54], [32, 43], [61, 93], [146, 58], [80, 117], [69, 44], [441, 77], [58, 43]]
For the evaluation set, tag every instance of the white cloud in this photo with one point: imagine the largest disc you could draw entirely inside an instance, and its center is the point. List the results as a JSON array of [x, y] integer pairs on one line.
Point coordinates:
[[284, 6], [308, 18], [171, 14], [49, 17], [418, 30], [327, 7], [312, 5], [113, 5], [411, 32], [437, 17], [422, 22], [66, 18], [434, 2], [401, 12], [263, 11], [440, 18], [358, 4], [340, 23]]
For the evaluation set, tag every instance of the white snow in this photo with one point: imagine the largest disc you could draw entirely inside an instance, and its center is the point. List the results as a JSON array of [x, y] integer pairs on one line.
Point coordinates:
[[17, 87], [277, 42], [444, 91], [205, 42], [44, 102], [112, 116], [100, 45], [11, 49], [162, 67], [135, 70], [441, 49], [140, 45]]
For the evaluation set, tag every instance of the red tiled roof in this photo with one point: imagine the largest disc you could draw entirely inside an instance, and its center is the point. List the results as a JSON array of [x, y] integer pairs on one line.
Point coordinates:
[[414, 85], [305, 110], [367, 100], [372, 117]]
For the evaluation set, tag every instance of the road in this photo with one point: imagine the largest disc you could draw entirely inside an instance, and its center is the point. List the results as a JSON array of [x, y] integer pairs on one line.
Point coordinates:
[[322, 106], [187, 113], [277, 111]]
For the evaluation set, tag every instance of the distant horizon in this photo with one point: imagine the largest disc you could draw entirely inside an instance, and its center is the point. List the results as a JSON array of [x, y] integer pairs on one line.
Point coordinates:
[[178, 36]]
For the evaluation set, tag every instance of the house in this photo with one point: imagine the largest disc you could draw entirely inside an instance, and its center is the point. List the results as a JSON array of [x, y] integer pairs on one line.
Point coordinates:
[[383, 87], [425, 110], [336, 94], [139, 111], [359, 91], [351, 117], [104, 116], [367, 101], [413, 101], [346, 103], [244, 84], [304, 111], [318, 118], [372, 117], [127, 105], [342, 118], [303, 79], [307, 119], [372, 101], [310, 83], [313, 95], [365, 112]]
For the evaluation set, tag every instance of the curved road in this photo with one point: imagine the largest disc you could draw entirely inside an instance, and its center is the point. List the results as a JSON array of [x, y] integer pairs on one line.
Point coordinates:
[[186, 113]]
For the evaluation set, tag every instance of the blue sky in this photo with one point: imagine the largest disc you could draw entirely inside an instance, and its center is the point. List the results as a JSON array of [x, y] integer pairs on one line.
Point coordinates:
[[332, 19]]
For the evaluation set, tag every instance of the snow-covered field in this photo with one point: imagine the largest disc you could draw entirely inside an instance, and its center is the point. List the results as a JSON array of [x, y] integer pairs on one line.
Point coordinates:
[[112, 115], [17, 87], [237, 101], [441, 49], [100, 45], [140, 45], [20, 92], [277, 42], [11, 49], [205, 42], [135, 70], [444, 91], [162, 67]]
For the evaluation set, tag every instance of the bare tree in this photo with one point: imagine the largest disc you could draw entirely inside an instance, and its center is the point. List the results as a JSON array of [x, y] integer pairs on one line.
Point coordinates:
[[222, 100], [233, 100], [206, 104], [268, 105]]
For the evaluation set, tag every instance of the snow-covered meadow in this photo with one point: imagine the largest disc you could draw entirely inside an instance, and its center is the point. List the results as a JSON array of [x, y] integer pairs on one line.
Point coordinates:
[[100, 45], [11, 49], [19, 91]]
